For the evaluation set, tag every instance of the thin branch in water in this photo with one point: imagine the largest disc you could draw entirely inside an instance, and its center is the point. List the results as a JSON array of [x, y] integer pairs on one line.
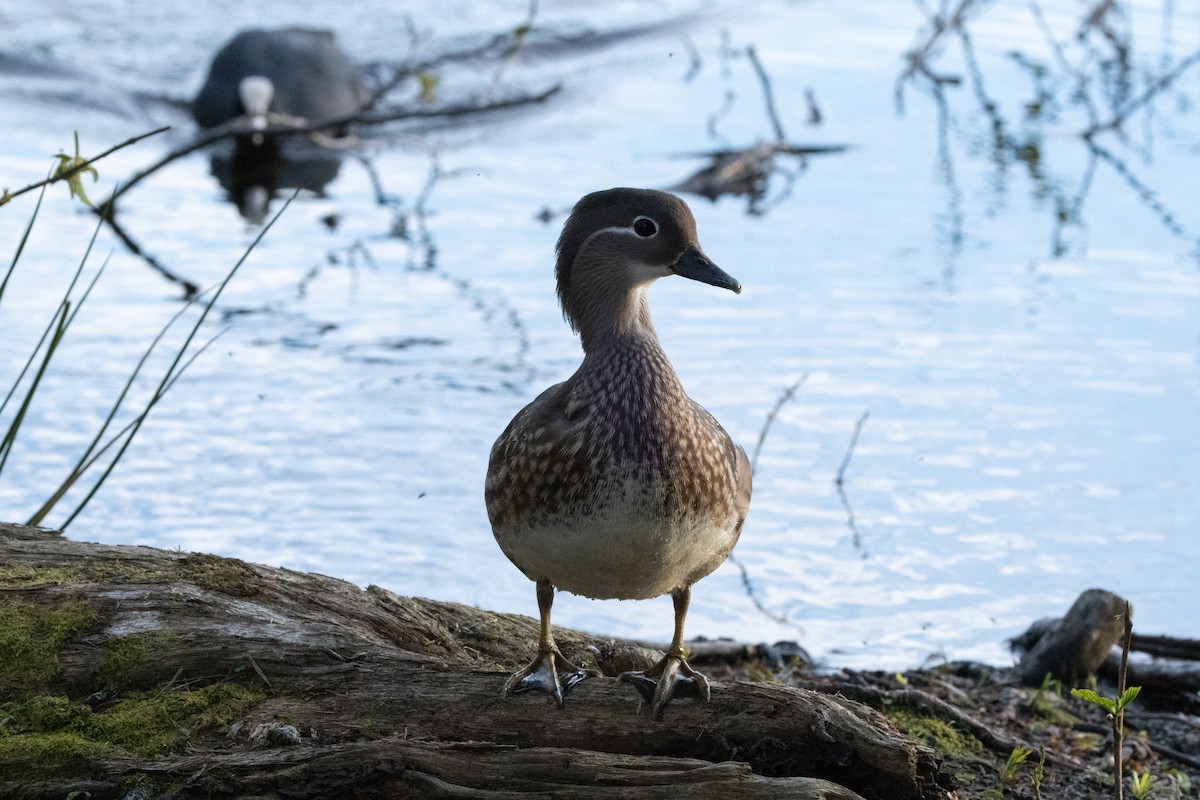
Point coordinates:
[[920, 56], [858, 426], [1082, 84], [840, 483], [1158, 86], [290, 126], [768, 95], [787, 395], [1144, 192], [782, 619], [695, 61], [190, 288]]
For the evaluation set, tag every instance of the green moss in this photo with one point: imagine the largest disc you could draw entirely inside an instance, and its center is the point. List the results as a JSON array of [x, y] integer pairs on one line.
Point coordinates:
[[129, 656], [20, 576], [52, 751], [227, 575], [50, 732], [24, 576], [49, 714], [942, 736], [154, 724], [31, 636]]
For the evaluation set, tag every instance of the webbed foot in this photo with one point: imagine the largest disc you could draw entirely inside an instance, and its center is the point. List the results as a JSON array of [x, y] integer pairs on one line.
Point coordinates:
[[550, 672], [670, 677]]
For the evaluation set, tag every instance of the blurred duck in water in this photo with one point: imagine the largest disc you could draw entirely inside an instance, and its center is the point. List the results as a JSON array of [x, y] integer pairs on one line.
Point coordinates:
[[296, 76]]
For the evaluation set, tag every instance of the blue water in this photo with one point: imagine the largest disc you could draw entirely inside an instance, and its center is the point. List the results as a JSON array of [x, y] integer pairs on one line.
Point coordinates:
[[1032, 396]]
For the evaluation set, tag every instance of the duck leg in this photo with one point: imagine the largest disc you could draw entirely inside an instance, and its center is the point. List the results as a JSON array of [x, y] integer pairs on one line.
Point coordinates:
[[672, 674], [550, 671]]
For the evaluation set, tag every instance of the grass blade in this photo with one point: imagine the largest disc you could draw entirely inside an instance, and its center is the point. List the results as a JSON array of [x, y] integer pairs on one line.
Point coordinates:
[[11, 435], [86, 460], [21, 244], [175, 370]]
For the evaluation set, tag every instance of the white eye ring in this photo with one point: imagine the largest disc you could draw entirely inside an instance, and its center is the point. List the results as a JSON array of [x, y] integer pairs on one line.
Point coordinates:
[[645, 227]]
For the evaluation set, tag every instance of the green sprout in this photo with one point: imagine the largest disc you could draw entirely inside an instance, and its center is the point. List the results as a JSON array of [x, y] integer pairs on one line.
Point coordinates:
[[1039, 773], [72, 169], [1015, 759], [1114, 707], [1141, 785]]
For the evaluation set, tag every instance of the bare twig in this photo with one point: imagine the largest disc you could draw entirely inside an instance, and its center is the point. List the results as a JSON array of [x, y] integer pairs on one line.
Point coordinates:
[[514, 49], [74, 170], [1119, 721], [782, 619], [919, 56], [190, 288], [839, 482], [768, 95], [787, 395], [293, 128], [858, 426], [1162, 83], [1165, 216]]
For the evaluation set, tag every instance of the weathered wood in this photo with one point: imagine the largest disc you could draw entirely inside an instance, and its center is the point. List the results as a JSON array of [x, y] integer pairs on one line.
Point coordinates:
[[394, 768], [1166, 646], [1084, 642], [400, 696]]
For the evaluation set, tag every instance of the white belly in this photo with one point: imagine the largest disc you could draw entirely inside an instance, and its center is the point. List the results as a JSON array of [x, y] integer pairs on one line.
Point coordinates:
[[623, 550]]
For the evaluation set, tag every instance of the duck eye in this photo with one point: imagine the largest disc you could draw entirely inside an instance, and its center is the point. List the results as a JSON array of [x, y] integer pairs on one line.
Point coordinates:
[[645, 227]]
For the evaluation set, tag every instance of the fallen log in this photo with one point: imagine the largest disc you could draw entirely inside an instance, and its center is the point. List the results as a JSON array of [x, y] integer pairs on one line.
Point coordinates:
[[206, 676]]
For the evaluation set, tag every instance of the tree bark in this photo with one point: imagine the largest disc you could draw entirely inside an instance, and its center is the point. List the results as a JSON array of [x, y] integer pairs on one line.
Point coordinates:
[[366, 693]]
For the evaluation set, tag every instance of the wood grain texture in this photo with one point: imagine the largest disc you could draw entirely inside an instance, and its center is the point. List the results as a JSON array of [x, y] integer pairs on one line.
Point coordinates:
[[401, 696]]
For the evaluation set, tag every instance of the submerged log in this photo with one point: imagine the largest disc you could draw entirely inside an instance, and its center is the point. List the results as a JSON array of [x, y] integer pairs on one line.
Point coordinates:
[[272, 681]]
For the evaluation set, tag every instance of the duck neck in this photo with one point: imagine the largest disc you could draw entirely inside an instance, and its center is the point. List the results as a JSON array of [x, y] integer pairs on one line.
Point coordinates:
[[623, 319]]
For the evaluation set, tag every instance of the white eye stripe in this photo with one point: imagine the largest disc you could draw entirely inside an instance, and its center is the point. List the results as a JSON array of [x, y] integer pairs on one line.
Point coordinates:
[[621, 229], [618, 229]]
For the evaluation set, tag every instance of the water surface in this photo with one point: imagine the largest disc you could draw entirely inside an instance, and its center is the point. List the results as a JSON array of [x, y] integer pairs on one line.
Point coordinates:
[[1019, 326]]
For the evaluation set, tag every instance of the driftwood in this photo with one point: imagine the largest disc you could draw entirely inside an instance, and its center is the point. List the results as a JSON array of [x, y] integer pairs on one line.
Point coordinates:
[[1075, 646], [1083, 643], [367, 693]]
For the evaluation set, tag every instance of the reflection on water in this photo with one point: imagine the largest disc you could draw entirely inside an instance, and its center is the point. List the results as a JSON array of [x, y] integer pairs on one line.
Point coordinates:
[[1086, 86], [255, 173], [1003, 311]]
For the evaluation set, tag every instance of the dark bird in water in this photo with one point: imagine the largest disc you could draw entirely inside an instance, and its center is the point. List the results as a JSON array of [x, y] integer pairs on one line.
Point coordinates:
[[291, 76], [293, 71]]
